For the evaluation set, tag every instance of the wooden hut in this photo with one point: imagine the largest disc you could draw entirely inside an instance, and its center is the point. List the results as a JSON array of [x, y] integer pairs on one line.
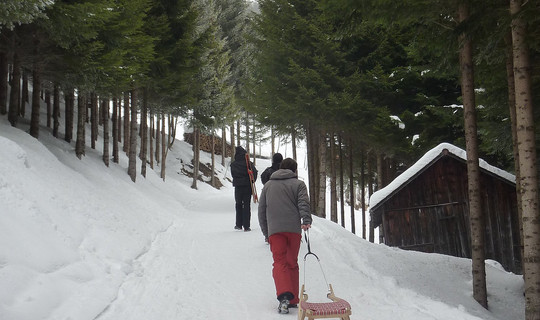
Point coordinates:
[[426, 209]]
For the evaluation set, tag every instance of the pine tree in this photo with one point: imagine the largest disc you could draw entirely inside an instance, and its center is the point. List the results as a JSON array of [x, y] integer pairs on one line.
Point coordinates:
[[214, 95], [527, 162], [16, 12], [235, 20], [476, 215], [296, 76]]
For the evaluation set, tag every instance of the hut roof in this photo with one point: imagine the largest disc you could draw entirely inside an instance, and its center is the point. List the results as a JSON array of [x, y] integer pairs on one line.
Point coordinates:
[[426, 161]]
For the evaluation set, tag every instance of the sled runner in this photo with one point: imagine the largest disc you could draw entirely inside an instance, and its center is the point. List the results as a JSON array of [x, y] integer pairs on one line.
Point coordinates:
[[337, 308], [251, 179]]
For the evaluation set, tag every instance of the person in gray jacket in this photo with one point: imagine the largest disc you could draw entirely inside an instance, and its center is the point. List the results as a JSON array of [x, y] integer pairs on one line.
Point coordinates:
[[284, 212]]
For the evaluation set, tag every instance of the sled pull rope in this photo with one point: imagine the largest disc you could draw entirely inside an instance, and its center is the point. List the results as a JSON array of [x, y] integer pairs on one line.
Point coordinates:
[[306, 236]]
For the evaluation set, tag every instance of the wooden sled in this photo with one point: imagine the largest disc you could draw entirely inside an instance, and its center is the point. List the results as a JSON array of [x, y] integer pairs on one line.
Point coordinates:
[[338, 308]]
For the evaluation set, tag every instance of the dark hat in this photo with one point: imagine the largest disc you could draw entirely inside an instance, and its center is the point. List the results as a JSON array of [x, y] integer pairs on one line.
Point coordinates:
[[277, 158]]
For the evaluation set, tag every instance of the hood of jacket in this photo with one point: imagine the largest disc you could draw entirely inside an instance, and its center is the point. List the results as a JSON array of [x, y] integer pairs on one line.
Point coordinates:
[[283, 174], [240, 153]]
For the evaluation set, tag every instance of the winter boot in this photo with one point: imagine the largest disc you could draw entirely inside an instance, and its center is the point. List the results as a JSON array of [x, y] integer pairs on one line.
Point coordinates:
[[283, 307]]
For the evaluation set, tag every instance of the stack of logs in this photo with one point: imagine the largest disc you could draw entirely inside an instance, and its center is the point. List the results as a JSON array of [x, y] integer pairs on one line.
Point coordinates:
[[206, 143]]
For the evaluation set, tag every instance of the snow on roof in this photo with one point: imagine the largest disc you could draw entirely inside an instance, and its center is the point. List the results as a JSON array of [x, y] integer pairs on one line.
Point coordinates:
[[427, 159]]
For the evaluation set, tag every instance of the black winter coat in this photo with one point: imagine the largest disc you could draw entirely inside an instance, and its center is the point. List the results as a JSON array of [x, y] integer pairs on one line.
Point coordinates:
[[265, 176], [239, 170]]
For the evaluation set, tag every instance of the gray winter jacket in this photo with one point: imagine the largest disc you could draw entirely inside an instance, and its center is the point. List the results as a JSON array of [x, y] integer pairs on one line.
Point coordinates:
[[284, 201]]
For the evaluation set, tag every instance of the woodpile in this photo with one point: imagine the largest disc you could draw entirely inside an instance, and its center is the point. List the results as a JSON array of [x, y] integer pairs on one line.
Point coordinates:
[[206, 143]]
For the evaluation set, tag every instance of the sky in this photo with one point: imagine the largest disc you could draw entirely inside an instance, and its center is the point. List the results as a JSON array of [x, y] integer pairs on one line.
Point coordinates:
[[80, 241]]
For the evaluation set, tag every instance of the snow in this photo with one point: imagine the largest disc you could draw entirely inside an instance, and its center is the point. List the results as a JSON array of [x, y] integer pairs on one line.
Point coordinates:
[[398, 121], [81, 241], [426, 160]]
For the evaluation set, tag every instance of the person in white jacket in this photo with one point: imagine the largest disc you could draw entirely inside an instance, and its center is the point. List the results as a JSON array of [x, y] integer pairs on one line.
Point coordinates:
[[284, 212]]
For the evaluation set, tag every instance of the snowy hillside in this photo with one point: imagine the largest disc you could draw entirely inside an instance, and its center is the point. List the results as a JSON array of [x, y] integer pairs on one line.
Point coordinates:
[[81, 241]]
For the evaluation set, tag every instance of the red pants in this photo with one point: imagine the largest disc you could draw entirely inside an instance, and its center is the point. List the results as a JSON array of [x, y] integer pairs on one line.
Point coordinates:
[[285, 247]]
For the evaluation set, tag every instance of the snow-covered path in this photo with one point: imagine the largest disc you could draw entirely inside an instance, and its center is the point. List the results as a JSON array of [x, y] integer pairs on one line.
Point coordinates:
[[188, 267]]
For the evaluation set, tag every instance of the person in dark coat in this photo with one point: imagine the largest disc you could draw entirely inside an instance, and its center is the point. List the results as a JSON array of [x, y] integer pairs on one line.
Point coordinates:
[[242, 189], [276, 161], [284, 212]]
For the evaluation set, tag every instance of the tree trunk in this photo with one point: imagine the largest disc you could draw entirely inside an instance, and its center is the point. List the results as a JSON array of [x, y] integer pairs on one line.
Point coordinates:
[[158, 138], [313, 168], [351, 186], [3, 82], [94, 121], [49, 107], [333, 182], [370, 173], [24, 92], [254, 144], [118, 120], [223, 145], [80, 143], [69, 99], [100, 115], [370, 192], [144, 132], [56, 110], [233, 147], [163, 147], [196, 154], [293, 143], [380, 174], [341, 182], [527, 163], [321, 205], [105, 117], [272, 141], [363, 192], [238, 134], [36, 101], [476, 216], [213, 154], [15, 94], [151, 138], [247, 134], [172, 131], [132, 155], [512, 108], [115, 129], [170, 124], [88, 104], [127, 130]]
